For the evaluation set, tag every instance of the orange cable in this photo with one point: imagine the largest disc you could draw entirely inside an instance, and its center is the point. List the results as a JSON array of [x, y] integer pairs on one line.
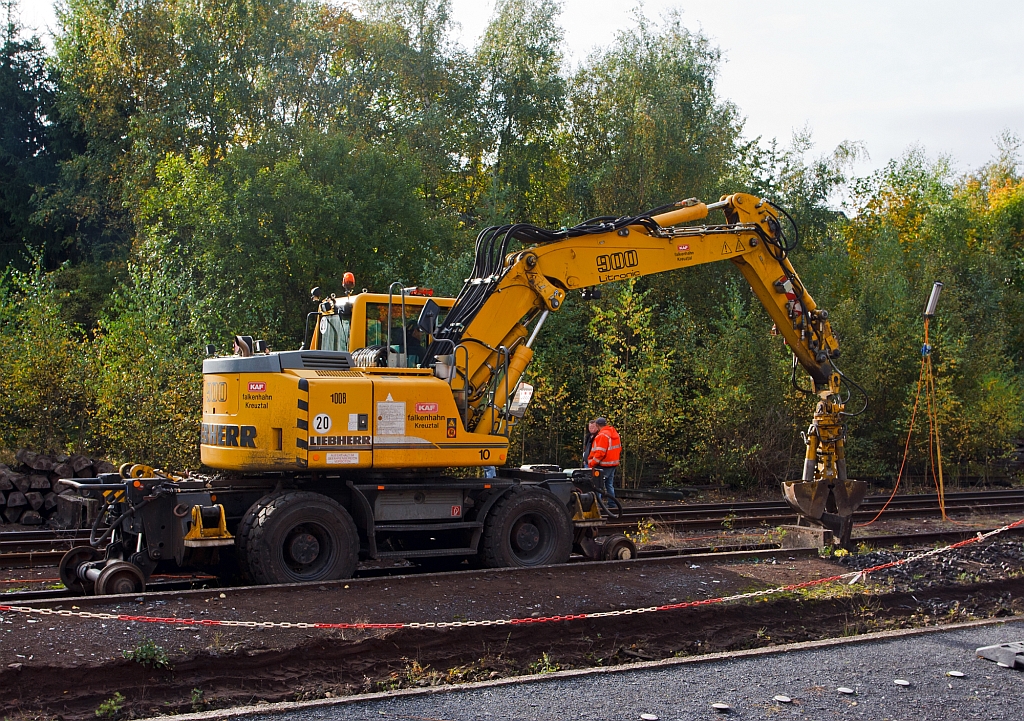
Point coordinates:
[[906, 449]]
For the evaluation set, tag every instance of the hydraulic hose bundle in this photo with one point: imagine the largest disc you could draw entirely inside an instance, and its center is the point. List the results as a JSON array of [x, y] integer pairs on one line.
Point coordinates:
[[492, 247]]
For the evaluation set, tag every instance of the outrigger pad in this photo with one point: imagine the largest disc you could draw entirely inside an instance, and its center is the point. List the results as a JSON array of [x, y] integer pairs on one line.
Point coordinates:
[[1007, 655], [806, 497]]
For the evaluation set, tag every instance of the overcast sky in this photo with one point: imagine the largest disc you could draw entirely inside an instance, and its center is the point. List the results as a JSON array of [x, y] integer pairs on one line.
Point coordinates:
[[947, 75]]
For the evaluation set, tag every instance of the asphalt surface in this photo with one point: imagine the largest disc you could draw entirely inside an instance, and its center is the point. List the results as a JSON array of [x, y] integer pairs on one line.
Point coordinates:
[[810, 676]]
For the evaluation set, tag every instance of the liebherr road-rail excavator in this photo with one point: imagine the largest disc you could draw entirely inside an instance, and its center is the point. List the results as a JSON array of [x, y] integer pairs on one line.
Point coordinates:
[[337, 452]]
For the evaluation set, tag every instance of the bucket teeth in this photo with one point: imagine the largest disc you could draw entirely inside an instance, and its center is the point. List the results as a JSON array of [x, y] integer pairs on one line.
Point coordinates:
[[811, 498]]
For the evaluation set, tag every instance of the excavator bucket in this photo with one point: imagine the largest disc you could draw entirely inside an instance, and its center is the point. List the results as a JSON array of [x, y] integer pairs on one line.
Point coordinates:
[[848, 495], [810, 498], [807, 498]]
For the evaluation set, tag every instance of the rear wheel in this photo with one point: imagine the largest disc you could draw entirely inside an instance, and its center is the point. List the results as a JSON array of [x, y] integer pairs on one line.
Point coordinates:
[[528, 527], [301, 536]]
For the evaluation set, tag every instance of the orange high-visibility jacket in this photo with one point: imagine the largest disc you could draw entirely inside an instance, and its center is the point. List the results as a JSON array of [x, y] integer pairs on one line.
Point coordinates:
[[605, 449]]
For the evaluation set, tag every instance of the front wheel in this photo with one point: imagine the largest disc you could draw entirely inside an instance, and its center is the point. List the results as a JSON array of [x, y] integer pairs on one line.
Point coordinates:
[[528, 527], [300, 536]]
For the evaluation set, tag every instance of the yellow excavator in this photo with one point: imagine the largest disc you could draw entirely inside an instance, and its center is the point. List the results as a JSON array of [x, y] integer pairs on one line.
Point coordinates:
[[343, 450]]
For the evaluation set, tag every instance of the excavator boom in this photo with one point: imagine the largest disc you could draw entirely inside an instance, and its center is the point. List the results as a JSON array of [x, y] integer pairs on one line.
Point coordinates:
[[487, 337]]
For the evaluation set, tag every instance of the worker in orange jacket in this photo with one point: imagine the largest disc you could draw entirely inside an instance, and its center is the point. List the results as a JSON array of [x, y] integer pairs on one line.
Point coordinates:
[[605, 449]]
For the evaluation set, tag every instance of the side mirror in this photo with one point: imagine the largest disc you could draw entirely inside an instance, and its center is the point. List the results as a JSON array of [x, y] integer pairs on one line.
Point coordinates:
[[427, 321], [315, 294]]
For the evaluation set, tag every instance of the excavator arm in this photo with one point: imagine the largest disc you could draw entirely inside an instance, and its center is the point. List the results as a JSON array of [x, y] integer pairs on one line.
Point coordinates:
[[487, 337]]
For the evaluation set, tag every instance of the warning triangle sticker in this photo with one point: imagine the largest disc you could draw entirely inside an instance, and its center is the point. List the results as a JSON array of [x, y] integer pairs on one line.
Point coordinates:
[[725, 248], [389, 398], [739, 246]]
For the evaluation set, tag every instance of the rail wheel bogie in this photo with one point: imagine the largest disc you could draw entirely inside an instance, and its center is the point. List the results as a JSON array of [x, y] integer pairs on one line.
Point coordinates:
[[69, 565]]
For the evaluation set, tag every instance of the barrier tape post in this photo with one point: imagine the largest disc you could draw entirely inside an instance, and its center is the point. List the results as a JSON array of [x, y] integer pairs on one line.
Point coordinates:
[[176, 621]]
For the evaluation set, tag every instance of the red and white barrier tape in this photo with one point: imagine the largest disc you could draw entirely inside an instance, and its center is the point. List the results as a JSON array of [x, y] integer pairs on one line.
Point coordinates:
[[175, 621]]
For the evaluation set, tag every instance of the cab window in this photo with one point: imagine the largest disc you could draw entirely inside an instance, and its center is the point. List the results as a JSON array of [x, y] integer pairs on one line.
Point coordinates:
[[382, 330]]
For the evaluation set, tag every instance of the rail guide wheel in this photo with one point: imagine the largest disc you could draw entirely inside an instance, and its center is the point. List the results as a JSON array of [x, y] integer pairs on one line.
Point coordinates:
[[119, 577], [618, 548], [69, 564]]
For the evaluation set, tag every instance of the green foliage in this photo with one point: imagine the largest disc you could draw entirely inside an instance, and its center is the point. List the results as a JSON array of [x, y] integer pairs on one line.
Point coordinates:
[[111, 708], [275, 218], [646, 125], [520, 58], [45, 364], [633, 378], [30, 150], [149, 654], [179, 171], [544, 664]]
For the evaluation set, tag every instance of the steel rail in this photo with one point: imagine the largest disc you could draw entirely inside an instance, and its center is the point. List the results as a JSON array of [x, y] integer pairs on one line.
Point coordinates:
[[869, 503], [44, 548]]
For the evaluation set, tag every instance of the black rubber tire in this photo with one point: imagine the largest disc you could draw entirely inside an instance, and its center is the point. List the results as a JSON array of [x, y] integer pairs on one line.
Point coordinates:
[[529, 514], [244, 530], [618, 548], [288, 519]]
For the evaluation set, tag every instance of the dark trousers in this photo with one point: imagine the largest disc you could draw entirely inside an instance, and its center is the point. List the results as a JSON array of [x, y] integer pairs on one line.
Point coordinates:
[[608, 479]]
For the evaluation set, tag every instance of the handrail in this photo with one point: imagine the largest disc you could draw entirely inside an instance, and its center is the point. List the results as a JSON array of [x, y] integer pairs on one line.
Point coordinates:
[[465, 379], [403, 354]]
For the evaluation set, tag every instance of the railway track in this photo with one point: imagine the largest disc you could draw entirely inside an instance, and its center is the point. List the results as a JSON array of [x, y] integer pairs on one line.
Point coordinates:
[[721, 552], [708, 516], [40, 549]]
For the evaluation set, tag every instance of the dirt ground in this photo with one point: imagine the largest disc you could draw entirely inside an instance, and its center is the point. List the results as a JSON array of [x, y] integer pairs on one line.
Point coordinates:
[[71, 667]]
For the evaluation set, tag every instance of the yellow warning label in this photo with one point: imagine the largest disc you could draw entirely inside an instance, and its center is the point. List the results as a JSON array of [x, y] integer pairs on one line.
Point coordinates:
[[726, 250]]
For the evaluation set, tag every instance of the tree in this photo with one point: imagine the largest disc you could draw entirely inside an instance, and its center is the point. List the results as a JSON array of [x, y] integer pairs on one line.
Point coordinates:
[[646, 126], [431, 99], [27, 161], [521, 61]]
